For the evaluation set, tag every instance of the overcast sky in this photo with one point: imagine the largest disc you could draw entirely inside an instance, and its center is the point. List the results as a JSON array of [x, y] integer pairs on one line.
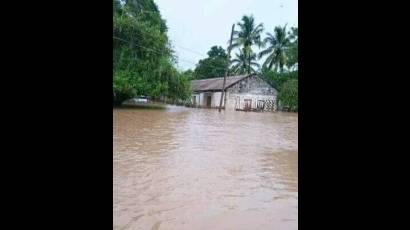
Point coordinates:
[[196, 25]]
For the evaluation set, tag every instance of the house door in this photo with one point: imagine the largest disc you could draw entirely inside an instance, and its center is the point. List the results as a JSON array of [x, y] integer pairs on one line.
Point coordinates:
[[248, 104], [194, 101], [208, 101]]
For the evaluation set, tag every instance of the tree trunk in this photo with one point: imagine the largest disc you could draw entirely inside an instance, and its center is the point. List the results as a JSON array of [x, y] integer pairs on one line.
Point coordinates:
[[249, 63]]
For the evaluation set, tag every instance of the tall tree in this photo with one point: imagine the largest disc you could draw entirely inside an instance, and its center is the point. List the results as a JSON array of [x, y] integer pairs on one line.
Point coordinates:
[[142, 59], [241, 63], [278, 44], [212, 66], [249, 34]]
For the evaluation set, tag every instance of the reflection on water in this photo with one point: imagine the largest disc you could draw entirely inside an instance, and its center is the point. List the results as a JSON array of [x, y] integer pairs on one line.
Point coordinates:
[[184, 168]]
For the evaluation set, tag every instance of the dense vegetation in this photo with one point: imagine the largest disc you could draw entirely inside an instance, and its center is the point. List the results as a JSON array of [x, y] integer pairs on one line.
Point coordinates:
[[288, 95], [143, 63], [287, 85], [212, 66]]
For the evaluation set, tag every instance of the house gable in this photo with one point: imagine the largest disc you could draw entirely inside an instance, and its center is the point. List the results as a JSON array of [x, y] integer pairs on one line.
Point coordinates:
[[252, 85]]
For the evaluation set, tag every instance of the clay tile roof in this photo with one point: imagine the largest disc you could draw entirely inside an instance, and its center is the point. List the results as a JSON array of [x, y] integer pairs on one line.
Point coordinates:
[[215, 84]]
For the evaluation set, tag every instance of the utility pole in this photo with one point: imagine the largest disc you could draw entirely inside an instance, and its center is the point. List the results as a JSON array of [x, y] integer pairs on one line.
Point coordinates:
[[226, 71]]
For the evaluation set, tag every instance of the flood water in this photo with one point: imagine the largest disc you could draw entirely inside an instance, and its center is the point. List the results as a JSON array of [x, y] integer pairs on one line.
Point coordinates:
[[186, 168]]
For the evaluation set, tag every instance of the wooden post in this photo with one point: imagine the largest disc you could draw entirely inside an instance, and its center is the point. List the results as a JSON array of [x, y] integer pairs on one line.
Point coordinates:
[[226, 71]]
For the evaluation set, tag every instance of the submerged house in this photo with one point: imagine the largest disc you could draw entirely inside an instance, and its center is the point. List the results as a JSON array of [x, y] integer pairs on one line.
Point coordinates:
[[242, 92]]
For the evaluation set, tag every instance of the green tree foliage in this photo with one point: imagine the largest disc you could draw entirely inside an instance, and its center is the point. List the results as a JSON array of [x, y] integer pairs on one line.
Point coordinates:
[[189, 74], [214, 65], [241, 64], [178, 87], [277, 51], [293, 49], [280, 67], [142, 59], [278, 79], [249, 34], [288, 95], [287, 84]]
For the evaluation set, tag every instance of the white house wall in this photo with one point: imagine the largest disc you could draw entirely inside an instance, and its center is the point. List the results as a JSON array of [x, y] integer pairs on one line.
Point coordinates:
[[201, 99], [235, 100], [216, 98], [253, 88], [197, 99]]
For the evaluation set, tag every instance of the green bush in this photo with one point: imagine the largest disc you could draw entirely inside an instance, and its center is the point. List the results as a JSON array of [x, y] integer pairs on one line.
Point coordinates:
[[288, 95]]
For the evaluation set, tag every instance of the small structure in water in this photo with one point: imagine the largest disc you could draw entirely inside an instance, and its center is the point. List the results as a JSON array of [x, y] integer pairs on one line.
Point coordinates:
[[143, 102], [242, 93]]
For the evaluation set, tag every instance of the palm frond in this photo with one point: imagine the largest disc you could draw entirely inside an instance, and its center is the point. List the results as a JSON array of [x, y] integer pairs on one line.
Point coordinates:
[[259, 28], [265, 52], [255, 64], [271, 61], [267, 40], [234, 45], [269, 35], [236, 60]]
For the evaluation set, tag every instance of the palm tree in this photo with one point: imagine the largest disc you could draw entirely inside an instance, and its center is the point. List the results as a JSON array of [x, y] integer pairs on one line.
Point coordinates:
[[293, 49], [241, 63], [278, 45], [248, 35]]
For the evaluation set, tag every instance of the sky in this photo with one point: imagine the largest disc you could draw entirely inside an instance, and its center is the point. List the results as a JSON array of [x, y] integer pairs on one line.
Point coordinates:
[[194, 26]]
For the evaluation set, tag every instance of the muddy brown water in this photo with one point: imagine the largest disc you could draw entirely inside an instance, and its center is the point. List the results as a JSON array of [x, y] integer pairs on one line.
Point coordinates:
[[186, 168]]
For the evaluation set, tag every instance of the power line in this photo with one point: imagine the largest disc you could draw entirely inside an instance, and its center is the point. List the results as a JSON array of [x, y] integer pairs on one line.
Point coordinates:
[[158, 52], [182, 47], [152, 50], [192, 51]]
